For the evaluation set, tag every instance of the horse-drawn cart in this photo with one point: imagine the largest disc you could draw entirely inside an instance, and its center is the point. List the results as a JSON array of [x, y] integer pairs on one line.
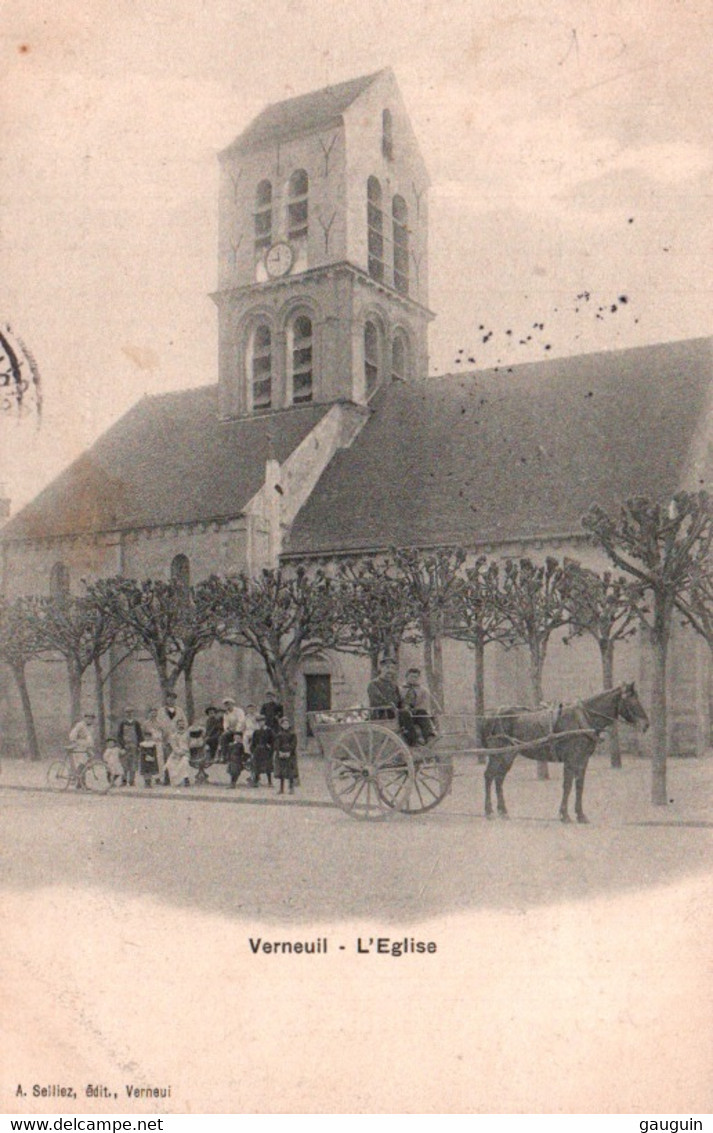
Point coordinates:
[[373, 773]]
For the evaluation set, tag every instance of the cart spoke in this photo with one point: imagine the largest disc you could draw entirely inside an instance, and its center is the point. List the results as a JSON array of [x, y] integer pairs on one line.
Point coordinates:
[[359, 790]]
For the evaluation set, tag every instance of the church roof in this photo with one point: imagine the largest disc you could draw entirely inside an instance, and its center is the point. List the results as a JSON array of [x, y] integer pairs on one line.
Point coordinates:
[[168, 460], [317, 110], [497, 456]]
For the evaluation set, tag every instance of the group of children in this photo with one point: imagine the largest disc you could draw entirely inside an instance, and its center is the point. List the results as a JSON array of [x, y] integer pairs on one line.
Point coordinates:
[[165, 750]]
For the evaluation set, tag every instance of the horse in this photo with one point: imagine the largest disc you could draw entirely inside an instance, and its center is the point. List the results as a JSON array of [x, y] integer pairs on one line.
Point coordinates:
[[583, 721]]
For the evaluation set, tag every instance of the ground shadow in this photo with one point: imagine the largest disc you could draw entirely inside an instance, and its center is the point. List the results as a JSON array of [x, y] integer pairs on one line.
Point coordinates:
[[309, 862]]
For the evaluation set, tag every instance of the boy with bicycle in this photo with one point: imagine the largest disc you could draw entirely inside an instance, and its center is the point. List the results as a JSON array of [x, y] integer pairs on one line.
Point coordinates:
[[82, 742]]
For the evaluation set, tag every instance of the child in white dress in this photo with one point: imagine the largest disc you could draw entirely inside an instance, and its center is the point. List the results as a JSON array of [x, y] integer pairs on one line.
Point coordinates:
[[178, 764]]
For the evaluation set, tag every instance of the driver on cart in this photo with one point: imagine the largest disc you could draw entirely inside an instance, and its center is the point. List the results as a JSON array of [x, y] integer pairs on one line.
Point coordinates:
[[418, 702], [387, 702]]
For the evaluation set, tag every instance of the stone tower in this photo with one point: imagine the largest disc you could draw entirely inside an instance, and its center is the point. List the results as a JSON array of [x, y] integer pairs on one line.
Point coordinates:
[[323, 262]]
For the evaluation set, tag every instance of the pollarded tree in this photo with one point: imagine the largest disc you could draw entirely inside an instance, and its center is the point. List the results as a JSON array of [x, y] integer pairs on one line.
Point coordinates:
[[20, 644], [431, 579], [665, 549], [532, 600], [82, 632], [372, 610], [696, 604], [605, 608], [170, 621], [281, 616], [478, 618]]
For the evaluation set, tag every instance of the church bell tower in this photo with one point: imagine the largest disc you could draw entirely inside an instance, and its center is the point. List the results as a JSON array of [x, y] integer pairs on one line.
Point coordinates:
[[323, 260]]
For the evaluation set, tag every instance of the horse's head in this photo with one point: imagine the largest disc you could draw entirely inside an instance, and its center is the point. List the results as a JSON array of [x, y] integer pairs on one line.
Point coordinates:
[[631, 709]]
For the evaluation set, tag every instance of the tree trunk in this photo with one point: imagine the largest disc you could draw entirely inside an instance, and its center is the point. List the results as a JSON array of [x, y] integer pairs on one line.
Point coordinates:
[[709, 690], [190, 699], [99, 691], [437, 690], [537, 664], [75, 692], [30, 730], [607, 653], [479, 694], [166, 684], [374, 657], [659, 793], [428, 662], [284, 686]]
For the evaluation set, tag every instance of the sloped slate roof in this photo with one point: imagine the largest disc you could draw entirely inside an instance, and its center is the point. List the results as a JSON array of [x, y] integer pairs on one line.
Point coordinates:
[[487, 457], [168, 460], [313, 111]]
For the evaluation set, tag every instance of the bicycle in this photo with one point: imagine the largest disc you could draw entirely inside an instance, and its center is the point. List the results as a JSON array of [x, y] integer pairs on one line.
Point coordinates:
[[93, 775]]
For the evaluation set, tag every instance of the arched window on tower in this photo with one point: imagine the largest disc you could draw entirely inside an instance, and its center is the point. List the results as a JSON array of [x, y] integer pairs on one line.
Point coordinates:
[[387, 135], [59, 580], [263, 216], [401, 252], [372, 360], [298, 205], [260, 367], [181, 571], [375, 226], [301, 346], [400, 358]]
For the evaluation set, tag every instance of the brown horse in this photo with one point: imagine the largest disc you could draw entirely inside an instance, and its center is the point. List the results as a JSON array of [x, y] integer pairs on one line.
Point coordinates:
[[587, 719]]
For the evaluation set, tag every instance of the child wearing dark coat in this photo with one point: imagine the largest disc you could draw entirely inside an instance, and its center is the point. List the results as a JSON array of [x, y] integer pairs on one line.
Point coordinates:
[[285, 755], [213, 732], [261, 753], [236, 758]]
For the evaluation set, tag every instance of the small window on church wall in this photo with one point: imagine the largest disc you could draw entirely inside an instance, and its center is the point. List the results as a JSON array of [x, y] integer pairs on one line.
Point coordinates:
[[375, 227], [261, 368], [371, 357], [399, 358], [301, 360], [387, 135], [401, 251], [263, 216], [298, 205], [181, 570], [59, 580]]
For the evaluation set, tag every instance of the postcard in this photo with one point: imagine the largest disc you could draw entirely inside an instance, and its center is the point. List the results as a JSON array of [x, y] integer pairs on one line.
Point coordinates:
[[355, 443]]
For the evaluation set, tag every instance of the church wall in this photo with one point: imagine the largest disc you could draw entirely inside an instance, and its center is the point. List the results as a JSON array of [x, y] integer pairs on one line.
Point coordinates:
[[403, 173], [27, 566], [390, 316], [326, 299], [211, 549], [321, 155]]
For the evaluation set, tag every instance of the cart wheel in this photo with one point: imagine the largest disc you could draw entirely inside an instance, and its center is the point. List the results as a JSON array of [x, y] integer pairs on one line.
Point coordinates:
[[59, 775], [433, 779], [369, 772], [96, 777]]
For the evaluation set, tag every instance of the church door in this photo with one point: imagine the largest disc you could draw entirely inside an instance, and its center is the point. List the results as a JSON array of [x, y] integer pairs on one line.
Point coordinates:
[[318, 694]]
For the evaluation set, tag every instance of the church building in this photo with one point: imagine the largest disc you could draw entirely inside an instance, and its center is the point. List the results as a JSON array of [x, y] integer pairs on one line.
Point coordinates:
[[324, 436]]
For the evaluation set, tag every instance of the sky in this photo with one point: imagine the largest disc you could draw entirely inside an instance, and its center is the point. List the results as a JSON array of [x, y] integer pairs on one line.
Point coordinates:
[[570, 149]]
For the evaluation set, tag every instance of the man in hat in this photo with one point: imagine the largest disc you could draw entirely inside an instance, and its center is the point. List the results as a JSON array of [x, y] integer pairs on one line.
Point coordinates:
[[233, 722], [168, 718], [384, 692], [82, 742], [386, 701], [130, 734]]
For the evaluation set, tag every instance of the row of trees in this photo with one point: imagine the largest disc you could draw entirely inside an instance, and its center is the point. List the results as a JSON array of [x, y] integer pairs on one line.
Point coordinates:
[[371, 606]]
